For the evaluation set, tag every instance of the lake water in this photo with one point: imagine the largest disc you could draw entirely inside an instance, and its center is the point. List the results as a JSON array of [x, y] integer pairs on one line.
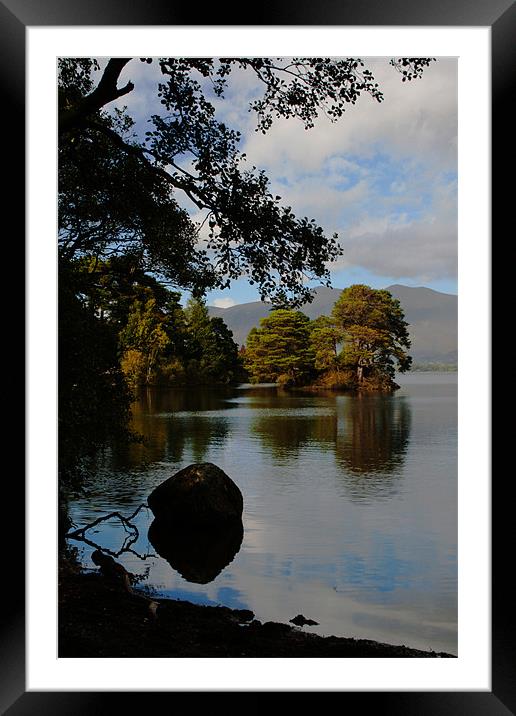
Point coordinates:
[[350, 504]]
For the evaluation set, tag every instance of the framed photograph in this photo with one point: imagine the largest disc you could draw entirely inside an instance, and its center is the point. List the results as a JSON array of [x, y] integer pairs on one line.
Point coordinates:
[[474, 47]]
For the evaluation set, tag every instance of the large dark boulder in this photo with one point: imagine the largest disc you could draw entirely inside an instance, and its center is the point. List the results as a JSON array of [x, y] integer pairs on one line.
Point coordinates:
[[199, 495]]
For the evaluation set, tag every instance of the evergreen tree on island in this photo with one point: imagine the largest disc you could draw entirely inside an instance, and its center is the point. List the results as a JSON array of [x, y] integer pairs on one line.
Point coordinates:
[[359, 347], [279, 350], [372, 327]]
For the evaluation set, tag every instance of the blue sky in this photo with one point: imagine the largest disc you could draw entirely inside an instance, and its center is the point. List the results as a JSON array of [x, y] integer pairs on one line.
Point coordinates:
[[384, 177]]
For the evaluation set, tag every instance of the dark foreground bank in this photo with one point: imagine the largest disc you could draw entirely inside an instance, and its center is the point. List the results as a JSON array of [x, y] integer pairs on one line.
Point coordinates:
[[98, 618]]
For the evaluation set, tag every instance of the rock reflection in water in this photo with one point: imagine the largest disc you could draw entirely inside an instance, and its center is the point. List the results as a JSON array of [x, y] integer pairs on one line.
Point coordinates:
[[198, 555]]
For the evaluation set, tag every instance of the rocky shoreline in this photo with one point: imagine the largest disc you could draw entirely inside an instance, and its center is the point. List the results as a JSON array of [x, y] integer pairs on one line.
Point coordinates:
[[98, 618]]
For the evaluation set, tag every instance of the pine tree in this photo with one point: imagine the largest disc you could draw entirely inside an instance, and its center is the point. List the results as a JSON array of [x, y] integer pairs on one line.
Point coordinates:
[[211, 351], [324, 340], [279, 350]]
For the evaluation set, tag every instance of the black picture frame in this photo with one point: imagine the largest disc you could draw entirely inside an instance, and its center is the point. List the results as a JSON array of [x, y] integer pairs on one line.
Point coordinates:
[[500, 16]]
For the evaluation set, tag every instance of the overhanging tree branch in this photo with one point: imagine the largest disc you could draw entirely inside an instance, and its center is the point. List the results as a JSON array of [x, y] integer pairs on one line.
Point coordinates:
[[250, 232], [140, 152], [106, 91]]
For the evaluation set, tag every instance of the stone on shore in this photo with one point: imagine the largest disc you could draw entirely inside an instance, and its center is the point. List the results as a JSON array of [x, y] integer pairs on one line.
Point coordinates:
[[199, 495]]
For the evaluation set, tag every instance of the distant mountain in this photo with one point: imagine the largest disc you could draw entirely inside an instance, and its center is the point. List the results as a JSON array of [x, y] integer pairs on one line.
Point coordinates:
[[432, 318]]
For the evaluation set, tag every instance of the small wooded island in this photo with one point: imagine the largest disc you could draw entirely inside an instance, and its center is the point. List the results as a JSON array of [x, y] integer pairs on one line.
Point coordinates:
[[358, 347]]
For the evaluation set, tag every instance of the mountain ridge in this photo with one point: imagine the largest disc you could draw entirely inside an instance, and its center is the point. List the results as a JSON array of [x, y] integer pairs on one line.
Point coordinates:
[[431, 314]]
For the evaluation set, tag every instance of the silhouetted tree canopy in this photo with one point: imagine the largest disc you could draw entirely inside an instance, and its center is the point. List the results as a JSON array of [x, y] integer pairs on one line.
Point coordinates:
[[117, 190]]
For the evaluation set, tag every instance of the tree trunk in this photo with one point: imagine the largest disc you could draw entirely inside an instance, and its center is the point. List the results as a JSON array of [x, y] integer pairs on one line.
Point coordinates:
[[106, 92], [150, 366]]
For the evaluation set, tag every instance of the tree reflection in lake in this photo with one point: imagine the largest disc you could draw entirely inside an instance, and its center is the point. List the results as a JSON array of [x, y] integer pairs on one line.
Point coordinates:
[[368, 435], [171, 422], [371, 442], [286, 422], [285, 435]]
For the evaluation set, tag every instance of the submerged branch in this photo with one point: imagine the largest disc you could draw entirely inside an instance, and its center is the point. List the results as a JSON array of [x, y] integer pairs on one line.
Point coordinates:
[[131, 538]]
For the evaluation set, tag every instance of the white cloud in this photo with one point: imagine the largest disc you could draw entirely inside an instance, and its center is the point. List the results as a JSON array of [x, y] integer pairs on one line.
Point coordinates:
[[322, 201], [421, 246], [416, 119], [224, 302], [380, 176], [424, 250]]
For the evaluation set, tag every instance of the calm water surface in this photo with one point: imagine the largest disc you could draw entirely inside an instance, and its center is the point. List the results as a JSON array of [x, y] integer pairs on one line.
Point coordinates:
[[350, 504]]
